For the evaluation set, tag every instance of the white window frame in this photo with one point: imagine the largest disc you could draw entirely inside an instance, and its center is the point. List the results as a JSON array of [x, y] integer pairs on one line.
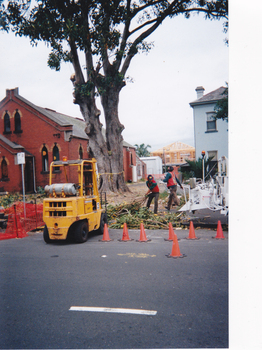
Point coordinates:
[[210, 118]]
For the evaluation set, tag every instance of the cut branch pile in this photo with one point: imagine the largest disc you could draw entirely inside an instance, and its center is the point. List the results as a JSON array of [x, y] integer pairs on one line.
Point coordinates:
[[134, 213]]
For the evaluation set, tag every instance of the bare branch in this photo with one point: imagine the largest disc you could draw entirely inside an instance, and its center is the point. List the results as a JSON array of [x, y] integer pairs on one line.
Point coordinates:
[[79, 77], [207, 12], [143, 25], [125, 36]]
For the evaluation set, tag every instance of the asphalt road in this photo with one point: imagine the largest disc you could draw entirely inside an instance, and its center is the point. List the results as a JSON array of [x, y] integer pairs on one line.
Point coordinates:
[[40, 282]]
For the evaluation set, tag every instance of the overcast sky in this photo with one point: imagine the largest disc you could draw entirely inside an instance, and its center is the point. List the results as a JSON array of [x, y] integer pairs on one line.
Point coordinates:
[[154, 108]]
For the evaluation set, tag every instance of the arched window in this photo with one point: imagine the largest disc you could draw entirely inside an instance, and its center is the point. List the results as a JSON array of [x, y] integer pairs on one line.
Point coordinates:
[[4, 169], [80, 152], [44, 159], [17, 121], [56, 156], [55, 153], [7, 127]]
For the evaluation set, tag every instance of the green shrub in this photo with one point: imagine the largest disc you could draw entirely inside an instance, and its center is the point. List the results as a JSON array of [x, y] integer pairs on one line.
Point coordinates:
[[9, 199]]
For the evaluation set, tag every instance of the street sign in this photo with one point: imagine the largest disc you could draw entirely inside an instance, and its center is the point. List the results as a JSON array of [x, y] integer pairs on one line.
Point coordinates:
[[20, 158]]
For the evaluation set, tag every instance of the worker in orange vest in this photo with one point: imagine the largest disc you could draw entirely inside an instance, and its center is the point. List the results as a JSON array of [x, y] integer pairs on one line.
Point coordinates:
[[172, 186], [153, 192]]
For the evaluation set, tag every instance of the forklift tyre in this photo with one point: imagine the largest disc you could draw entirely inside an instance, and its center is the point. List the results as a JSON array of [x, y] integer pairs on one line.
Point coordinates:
[[46, 235], [103, 221], [81, 232]]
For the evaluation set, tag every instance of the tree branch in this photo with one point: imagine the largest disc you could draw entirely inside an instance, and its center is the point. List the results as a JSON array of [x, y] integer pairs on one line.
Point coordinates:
[[214, 14], [142, 36], [79, 77], [143, 25], [175, 8], [125, 36], [88, 51]]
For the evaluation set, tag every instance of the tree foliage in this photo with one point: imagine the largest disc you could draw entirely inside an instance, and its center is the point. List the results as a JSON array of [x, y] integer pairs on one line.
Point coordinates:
[[221, 107], [142, 150], [100, 39], [195, 168]]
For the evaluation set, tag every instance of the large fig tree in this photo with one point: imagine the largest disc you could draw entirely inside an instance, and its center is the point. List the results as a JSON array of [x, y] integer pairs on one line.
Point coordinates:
[[106, 34]]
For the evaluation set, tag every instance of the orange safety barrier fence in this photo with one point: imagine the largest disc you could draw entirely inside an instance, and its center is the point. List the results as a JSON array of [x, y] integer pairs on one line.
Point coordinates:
[[21, 221]]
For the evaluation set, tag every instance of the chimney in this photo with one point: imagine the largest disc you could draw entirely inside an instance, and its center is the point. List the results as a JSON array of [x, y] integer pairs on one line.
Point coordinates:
[[200, 91], [12, 92]]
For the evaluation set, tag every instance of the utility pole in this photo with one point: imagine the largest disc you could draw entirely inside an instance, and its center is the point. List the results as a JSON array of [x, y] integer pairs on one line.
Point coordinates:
[[203, 165]]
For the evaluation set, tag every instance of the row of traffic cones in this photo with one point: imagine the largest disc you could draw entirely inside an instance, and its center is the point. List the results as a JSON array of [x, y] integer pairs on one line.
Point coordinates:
[[125, 237], [143, 238], [175, 253], [192, 234]]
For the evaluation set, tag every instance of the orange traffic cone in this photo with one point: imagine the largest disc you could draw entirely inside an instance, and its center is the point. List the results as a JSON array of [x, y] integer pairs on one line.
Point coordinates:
[[191, 234], [171, 233], [143, 237], [125, 236], [175, 253], [220, 234], [106, 237]]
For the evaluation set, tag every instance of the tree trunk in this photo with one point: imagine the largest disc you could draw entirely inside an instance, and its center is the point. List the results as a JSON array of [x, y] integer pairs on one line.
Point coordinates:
[[114, 138], [109, 152]]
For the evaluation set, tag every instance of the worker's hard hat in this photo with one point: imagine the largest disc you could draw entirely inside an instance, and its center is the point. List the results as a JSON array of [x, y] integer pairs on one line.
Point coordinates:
[[150, 177]]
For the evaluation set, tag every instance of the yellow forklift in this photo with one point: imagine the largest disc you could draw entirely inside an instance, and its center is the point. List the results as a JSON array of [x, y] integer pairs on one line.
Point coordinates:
[[73, 207]]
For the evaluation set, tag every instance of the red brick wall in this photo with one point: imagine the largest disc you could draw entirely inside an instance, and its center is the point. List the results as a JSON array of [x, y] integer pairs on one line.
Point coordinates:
[[129, 158], [14, 181], [37, 130]]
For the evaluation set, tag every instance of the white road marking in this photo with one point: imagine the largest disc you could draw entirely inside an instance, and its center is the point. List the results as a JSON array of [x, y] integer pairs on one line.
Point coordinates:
[[115, 310]]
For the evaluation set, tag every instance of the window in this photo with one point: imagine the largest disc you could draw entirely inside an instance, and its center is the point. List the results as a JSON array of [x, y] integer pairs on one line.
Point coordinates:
[[80, 152], [212, 167], [211, 122], [56, 157], [212, 154], [17, 122], [44, 159], [4, 169], [55, 153], [7, 127]]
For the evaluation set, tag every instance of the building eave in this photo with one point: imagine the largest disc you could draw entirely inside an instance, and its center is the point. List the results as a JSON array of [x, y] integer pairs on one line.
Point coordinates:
[[210, 98]]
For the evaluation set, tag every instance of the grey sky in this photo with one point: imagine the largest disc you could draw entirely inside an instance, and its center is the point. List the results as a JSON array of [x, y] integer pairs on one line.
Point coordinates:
[[155, 107]]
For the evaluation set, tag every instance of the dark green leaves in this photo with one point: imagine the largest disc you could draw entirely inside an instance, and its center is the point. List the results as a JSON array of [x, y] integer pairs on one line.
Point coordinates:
[[57, 55], [221, 107]]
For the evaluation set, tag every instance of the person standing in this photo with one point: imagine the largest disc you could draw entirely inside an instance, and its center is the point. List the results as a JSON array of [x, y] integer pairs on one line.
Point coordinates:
[[153, 192], [172, 186]]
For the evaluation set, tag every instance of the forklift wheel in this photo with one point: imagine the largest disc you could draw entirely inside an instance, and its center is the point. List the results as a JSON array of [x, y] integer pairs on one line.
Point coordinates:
[[81, 232], [46, 235]]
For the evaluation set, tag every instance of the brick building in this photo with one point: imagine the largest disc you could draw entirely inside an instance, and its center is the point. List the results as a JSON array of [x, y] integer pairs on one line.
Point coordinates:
[[130, 162], [43, 135]]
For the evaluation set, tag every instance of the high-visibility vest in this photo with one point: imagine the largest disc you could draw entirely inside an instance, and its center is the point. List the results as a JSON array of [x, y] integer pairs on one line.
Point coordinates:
[[155, 189], [170, 182]]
